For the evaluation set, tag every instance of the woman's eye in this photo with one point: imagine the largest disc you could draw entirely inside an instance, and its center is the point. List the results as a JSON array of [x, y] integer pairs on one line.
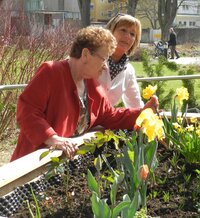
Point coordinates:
[[132, 34], [123, 30]]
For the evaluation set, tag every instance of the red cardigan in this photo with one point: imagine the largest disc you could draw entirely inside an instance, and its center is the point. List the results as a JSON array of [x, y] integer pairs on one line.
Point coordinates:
[[50, 105]]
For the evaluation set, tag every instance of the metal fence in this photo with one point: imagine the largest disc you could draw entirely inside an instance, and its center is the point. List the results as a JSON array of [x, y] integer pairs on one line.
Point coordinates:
[[196, 76]]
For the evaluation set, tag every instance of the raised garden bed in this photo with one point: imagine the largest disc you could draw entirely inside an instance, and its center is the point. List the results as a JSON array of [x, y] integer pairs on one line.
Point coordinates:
[[170, 195]]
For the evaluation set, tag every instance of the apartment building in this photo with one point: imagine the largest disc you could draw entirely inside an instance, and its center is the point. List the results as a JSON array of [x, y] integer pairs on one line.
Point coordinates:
[[25, 16], [52, 13], [188, 14]]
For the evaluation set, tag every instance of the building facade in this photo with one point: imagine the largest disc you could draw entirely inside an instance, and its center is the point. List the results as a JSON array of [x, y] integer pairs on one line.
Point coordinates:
[[188, 14]]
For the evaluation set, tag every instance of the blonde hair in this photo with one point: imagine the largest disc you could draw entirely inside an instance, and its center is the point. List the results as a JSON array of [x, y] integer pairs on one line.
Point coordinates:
[[93, 38], [126, 19]]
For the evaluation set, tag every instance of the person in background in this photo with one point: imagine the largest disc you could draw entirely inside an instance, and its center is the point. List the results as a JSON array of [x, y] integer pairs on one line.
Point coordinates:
[[172, 43], [119, 81], [64, 99]]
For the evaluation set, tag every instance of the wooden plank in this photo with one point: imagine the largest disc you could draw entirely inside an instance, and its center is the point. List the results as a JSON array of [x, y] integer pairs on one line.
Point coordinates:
[[27, 178], [25, 169]]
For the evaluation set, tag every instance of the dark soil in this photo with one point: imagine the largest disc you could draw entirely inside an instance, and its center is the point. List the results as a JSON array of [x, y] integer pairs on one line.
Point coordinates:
[[170, 195]]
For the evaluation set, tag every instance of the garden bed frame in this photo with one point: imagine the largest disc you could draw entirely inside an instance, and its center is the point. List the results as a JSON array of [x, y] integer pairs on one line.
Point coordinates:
[[28, 168]]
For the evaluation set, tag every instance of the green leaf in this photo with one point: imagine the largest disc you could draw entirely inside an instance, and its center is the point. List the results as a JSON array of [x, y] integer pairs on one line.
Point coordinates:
[[118, 180], [85, 148], [95, 204], [100, 207], [124, 212], [121, 206], [44, 154], [131, 155], [98, 163], [92, 183], [150, 152], [55, 159], [133, 206]]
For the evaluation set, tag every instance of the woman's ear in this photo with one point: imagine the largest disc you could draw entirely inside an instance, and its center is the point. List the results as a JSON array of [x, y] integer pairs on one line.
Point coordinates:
[[85, 55]]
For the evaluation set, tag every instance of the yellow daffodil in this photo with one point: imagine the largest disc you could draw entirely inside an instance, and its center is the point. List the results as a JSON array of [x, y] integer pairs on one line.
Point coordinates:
[[181, 130], [151, 124], [193, 120], [180, 119], [182, 94], [176, 125], [190, 128], [198, 132], [149, 91]]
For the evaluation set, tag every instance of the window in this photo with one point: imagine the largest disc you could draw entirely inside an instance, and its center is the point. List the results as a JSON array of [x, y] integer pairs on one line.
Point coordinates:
[[185, 7], [192, 23], [184, 23], [48, 19]]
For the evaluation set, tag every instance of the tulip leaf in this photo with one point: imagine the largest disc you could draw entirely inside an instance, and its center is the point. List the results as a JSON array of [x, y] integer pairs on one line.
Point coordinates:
[[92, 183], [99, 207], [121, 206]]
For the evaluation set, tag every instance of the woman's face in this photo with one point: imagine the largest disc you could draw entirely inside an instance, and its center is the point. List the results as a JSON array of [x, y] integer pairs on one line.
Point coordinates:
[[125, 36], [97, 63]]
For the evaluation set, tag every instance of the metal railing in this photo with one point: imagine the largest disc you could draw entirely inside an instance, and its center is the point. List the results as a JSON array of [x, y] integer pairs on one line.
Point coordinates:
[[196, 76]]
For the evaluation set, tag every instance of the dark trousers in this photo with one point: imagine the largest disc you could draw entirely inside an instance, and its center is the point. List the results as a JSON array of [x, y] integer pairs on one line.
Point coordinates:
[[173, 51]]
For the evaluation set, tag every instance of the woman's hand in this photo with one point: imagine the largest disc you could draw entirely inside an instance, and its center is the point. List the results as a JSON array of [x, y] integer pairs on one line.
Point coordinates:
[[67, 145], [153, 104]]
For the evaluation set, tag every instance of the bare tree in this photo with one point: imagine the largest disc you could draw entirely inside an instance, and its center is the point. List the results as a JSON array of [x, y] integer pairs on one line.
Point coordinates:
[[117, 6], [149, 10], [167, 10], [84, 7], [131, 6]]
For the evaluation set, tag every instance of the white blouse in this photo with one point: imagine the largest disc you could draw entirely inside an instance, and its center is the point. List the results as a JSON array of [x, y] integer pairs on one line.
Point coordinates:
[[123, 87]]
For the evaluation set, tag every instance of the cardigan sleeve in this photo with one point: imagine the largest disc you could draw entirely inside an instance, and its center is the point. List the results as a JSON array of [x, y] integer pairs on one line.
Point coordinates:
[[31, 106], [120, 118], [104, 114]]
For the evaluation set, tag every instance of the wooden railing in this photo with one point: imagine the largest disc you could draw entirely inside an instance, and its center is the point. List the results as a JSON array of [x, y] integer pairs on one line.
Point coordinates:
[[29, 167]]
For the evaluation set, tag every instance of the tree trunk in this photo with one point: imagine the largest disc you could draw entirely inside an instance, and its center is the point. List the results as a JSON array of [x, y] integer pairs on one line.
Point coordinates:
[[167, 10], [132, 4], [84, 7]]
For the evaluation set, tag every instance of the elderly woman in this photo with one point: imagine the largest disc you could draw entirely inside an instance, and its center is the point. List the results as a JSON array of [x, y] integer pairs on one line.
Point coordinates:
[[64, 99], [119, 81]]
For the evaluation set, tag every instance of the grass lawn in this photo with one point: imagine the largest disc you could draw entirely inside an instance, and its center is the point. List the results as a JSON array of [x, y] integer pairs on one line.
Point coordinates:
[[171, 84]]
